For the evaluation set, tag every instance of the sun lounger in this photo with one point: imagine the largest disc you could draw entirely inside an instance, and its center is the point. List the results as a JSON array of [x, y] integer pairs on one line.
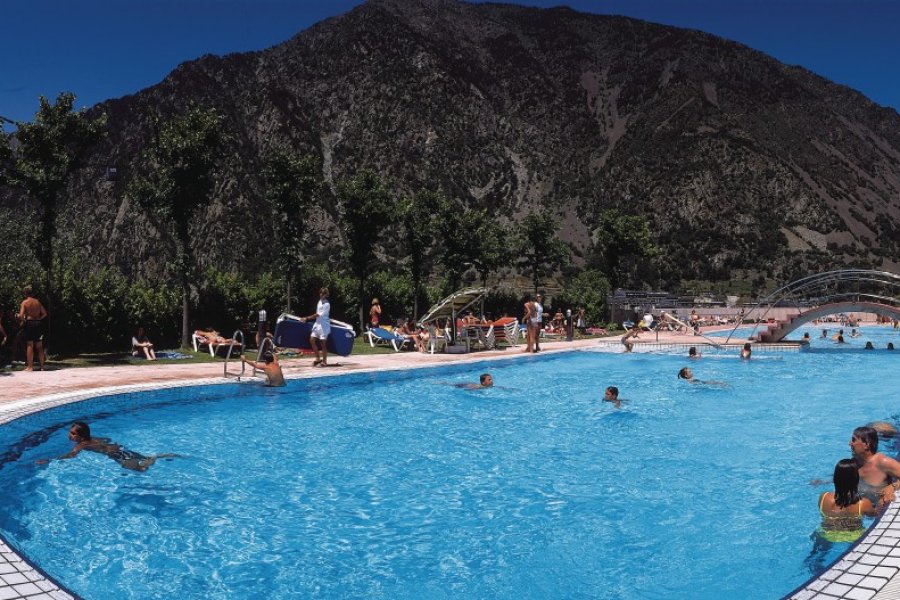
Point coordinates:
[[214, 343], [380, 336]]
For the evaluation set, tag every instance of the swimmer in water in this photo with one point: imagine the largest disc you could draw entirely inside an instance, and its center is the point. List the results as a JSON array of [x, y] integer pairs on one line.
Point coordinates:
[[688, 375], [693, 353], [80, 435], [746, 352], [484, 381], [612, 395]]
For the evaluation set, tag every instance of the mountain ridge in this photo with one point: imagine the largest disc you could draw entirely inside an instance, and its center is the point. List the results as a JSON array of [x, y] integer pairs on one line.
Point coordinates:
[[740, 163]]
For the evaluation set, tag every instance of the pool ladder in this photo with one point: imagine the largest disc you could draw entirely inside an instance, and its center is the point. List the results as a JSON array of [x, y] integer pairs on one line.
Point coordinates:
[[259, 354], [228, 356]]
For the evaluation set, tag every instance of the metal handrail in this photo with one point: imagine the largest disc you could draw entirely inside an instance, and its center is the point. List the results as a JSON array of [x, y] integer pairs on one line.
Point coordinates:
[[261, 350], [227, 356], [823, 280]]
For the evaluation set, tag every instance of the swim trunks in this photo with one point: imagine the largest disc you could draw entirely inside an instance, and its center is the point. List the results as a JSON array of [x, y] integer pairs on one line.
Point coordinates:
[[33, 332]]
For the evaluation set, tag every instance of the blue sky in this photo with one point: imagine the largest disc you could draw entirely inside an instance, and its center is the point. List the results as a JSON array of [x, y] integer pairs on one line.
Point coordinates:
[[102, 49]]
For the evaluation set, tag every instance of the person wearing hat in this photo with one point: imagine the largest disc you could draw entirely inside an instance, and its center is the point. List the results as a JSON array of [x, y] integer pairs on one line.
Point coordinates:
[[375, 313]]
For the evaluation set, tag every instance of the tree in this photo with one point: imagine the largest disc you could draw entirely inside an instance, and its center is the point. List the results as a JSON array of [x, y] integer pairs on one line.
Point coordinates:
[[541, 252], [616, 237], [48, 150], [364, 209], [457, 249], [492, 248], [588, 289], [416, 215], [293, 185], [178, 181]]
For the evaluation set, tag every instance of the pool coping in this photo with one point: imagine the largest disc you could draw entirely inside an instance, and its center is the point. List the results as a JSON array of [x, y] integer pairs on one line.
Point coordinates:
[[867, 571]]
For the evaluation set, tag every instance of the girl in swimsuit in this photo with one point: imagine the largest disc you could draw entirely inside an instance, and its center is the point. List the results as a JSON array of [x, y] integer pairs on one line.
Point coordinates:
[[842, 510]]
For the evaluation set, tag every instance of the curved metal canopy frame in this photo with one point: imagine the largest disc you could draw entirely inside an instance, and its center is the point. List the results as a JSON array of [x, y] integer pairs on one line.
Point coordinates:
[[831, 287]]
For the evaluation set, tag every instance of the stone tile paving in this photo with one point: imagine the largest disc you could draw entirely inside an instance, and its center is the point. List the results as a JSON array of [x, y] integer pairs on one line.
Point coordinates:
[[868, 571]]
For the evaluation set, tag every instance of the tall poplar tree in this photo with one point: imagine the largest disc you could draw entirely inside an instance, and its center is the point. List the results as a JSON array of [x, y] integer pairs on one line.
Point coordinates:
[[293, 186], [365, 209], [47, 151], [177, 183]]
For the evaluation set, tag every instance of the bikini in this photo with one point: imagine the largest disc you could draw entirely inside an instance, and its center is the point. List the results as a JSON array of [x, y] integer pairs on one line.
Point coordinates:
[[845, 528]]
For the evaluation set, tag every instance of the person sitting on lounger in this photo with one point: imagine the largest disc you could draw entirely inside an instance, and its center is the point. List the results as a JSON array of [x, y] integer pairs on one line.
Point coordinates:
[[141, 346], [211, 336], [411, 332], [470, 319]]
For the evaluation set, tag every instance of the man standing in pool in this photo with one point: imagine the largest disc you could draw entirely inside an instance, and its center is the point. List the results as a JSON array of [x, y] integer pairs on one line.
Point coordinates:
[[876, 471], [80, 435], [269, 366], [319, 335]]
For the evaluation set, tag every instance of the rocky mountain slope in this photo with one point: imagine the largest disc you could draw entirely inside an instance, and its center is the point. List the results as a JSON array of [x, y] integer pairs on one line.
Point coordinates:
[[742, 165]]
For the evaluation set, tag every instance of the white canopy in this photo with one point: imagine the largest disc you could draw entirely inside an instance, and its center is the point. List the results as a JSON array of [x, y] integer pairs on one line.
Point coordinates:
[[455, 303]]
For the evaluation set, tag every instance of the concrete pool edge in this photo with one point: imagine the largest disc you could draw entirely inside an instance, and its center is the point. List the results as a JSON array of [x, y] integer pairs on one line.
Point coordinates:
[[867, 570]]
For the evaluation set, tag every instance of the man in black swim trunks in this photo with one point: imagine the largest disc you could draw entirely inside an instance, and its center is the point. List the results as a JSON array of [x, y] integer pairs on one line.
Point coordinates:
[[31, 313], [80, 435]]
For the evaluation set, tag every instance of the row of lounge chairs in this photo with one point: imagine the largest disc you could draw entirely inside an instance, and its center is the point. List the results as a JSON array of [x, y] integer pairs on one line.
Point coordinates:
[[486, 335]]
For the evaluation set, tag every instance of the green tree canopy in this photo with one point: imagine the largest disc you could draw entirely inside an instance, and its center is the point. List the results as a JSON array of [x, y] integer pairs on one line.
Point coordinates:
[[417, 222], [617, 237], [588, 289], [365, 209], [48, 150], [177, 181], [541, 252], [493, 245], [456, 231], [293, 186]]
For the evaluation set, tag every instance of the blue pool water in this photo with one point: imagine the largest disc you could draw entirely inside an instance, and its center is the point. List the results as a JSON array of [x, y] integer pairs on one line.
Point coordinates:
[[401, 486]]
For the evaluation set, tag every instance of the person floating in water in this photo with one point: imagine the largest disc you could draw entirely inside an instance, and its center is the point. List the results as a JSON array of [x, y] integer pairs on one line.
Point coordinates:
[[688, 375], [612, 395], [274, 375], [746, 352], [484, 381], [80, 435], [869, 346], [693, 353]]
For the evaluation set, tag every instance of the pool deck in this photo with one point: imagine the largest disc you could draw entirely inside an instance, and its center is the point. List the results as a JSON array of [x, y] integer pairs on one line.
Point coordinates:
[[867, 572]]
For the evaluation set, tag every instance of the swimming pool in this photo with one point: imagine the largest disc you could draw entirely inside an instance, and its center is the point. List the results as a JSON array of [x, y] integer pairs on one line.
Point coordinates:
[[400, 486]]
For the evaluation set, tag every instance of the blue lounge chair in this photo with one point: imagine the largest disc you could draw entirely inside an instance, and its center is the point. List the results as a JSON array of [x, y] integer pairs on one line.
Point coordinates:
[[380, 336]]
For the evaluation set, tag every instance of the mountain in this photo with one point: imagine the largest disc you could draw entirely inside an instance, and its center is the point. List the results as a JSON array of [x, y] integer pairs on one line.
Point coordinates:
[[743, 166]]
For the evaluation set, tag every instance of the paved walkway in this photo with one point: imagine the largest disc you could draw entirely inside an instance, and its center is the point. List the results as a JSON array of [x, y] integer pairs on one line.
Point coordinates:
[[22, 385]]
